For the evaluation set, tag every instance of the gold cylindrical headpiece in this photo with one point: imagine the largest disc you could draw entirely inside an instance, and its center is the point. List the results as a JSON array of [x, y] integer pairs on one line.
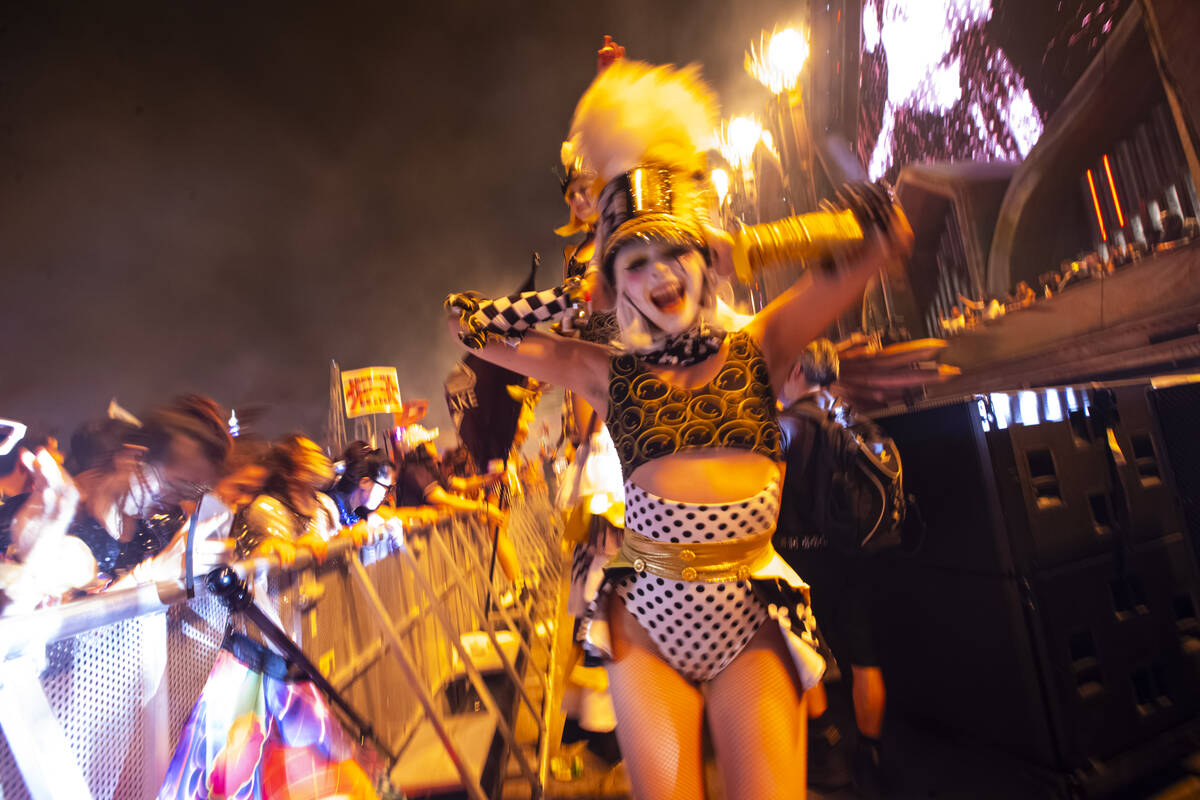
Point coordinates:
[[650, 201]]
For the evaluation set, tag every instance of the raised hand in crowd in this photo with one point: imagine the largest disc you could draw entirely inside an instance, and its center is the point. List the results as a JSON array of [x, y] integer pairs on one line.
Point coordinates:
[[46, 562]]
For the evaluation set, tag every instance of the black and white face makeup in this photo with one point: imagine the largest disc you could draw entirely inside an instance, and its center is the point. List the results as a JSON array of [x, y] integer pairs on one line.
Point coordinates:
[[662, 281]]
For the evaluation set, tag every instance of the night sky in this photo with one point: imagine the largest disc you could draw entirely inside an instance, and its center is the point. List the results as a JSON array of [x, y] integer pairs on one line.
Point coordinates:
[[223, 197]]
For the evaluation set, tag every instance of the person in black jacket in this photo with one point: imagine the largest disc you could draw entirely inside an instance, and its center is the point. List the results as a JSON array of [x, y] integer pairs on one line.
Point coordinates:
[[840, 582]]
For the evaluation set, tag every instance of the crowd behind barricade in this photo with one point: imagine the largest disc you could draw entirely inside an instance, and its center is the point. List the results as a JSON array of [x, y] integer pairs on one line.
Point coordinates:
[[115, 506]]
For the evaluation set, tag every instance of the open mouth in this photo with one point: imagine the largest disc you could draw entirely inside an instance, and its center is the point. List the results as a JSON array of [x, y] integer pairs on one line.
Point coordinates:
[[668, 297]]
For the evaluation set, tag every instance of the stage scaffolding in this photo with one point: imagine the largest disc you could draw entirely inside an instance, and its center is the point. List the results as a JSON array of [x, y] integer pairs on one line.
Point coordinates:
[[414, 636]]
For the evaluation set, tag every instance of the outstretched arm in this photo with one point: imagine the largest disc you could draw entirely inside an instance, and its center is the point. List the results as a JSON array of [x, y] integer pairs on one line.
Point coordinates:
[[793, 319], [797, 316], [513, 316], [571, 363]]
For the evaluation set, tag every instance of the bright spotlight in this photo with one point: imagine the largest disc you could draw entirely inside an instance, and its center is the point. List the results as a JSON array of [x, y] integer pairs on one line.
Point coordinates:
[[777, 62], [720, 182], [744, 135]]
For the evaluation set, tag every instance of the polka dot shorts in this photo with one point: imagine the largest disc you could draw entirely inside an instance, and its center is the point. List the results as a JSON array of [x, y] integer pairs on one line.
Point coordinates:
[[699, 627]]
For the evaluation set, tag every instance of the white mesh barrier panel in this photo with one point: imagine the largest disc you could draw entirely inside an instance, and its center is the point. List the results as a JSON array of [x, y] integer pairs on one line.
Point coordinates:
[[12, 787], [194, 634], [122, 692], [94, 684]]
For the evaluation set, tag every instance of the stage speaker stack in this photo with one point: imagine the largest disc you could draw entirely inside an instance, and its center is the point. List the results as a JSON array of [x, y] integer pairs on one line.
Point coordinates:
[[1048, 605], [1177, 411]]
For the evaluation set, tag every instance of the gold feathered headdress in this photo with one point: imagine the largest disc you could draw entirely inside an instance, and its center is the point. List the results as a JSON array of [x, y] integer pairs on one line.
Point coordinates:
[[645, 129]]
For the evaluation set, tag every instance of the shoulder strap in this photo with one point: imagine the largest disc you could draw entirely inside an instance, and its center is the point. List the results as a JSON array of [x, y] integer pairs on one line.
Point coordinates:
[[811, 411]]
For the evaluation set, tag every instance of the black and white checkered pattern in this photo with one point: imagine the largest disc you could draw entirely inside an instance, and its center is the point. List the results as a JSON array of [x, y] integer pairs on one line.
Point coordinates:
[[518, 313]]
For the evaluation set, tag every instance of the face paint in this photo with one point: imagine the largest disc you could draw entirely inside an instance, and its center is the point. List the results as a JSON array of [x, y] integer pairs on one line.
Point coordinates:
[[663, 282]]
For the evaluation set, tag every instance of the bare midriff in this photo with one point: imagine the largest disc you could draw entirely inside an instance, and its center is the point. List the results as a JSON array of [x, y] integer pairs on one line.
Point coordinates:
[[707, 475]]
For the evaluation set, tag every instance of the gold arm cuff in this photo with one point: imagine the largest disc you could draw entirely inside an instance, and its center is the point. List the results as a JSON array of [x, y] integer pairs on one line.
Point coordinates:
[[711, 562], [775, 244]]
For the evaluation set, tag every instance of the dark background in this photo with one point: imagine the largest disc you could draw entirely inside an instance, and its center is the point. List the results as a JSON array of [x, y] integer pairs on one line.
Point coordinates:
[[222, 197]]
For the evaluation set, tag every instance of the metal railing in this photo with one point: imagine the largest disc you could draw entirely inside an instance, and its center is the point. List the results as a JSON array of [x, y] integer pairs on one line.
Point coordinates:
[[93, 693]]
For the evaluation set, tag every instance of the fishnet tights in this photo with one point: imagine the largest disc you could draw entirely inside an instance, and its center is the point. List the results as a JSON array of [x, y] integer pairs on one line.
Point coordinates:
[[755, 713]]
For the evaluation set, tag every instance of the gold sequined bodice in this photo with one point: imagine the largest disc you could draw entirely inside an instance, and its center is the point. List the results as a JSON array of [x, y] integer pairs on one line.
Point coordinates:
[[648, 418]]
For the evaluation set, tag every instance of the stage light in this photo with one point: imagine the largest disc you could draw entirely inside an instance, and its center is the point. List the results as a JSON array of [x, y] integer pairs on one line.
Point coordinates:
[[1053, 406], [744, 135], [984, 416], [1096, 204], [738, 139], [777, 62], [1027, 403], [1002, 408], [720, 182], [1113, 188]]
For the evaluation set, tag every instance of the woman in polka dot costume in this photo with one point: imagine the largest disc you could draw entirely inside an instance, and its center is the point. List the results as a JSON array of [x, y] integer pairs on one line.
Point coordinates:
[[698, 614], [699, 627]]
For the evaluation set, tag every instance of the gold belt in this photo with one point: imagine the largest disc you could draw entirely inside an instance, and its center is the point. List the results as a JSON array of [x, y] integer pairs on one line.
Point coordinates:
[[712, 562]]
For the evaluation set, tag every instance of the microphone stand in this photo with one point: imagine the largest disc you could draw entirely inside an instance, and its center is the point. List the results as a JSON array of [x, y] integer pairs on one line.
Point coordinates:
[[235, 594]]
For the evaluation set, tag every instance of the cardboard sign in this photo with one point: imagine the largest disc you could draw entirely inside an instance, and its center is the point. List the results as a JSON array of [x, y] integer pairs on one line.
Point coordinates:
[[373, 390], [413, 411]]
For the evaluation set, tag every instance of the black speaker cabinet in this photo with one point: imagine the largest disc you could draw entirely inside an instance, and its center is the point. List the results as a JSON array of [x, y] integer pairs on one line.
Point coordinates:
[[1147, 482], [948, 470], [1177, 413], [1000, 497], [1051, 606]]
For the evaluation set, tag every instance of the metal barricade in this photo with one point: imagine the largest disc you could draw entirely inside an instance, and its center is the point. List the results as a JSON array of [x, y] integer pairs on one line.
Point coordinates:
[[93, 693]]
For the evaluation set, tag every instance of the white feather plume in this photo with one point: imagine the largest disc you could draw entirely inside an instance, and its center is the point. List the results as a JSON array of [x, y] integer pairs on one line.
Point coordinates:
[[636, 113]]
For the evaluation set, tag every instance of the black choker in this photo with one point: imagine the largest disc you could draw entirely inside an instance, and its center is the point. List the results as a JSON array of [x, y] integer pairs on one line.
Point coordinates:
[[687, 348]]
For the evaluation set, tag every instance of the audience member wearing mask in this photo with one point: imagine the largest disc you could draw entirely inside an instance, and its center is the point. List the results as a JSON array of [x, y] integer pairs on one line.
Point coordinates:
[[367, 476]]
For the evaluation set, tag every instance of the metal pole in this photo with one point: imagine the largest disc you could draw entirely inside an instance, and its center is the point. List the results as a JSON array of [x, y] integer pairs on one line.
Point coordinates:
[[476, 679], [396, 649], [504, 615], [458, 577]]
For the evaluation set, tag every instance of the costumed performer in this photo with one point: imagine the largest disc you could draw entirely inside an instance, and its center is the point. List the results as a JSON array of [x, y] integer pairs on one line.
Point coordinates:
[[591, 493], [697, 612]]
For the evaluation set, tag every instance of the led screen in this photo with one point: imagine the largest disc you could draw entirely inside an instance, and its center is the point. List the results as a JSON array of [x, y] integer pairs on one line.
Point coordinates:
[[968, 79]]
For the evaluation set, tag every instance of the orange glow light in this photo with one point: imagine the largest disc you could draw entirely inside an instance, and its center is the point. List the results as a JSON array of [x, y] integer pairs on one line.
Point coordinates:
[[1113, 187], [1096, 203]]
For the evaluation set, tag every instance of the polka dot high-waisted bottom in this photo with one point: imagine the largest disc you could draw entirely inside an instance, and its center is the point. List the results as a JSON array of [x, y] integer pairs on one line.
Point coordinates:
[[699, 627]]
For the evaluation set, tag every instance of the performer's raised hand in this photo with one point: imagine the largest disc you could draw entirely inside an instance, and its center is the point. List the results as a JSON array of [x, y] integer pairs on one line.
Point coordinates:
[[873, 376], [460, 316]]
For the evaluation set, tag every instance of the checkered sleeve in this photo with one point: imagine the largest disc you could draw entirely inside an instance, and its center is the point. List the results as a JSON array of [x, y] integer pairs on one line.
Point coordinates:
[[514, 315]]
